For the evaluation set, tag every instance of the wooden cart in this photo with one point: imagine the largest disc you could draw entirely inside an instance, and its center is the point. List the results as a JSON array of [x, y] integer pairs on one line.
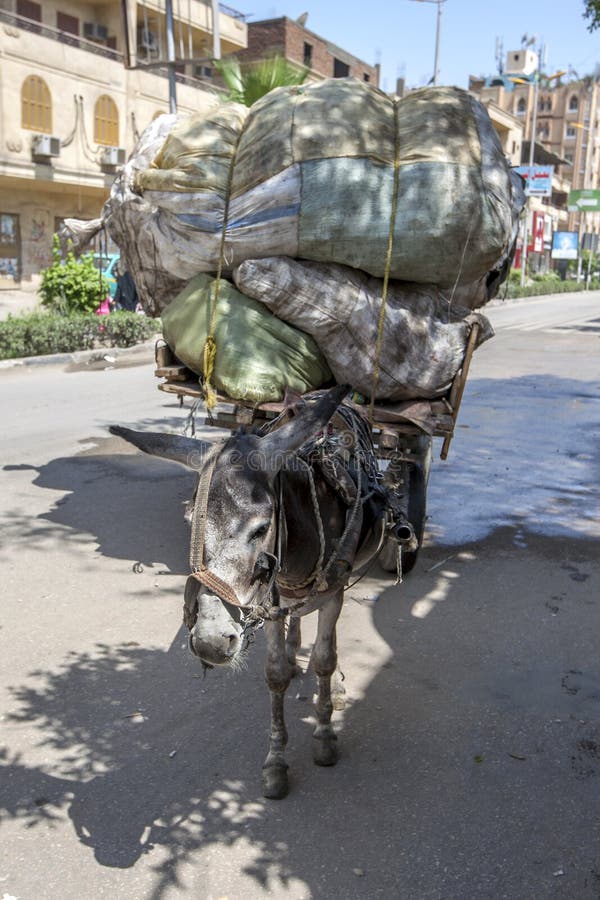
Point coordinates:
[[402, 433]]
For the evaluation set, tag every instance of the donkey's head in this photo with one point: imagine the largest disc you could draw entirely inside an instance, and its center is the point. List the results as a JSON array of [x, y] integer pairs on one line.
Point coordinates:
[[234, 523]]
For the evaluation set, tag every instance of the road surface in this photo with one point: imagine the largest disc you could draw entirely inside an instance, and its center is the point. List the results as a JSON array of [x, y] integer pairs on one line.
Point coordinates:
[[470, 741]]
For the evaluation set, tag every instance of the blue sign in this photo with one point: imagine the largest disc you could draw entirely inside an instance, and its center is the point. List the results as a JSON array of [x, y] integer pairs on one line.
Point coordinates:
[[540, 183], [564, 245]]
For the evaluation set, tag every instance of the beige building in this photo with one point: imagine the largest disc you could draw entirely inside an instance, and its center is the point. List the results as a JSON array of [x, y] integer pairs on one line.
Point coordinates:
[[567, 132], [78, 83]]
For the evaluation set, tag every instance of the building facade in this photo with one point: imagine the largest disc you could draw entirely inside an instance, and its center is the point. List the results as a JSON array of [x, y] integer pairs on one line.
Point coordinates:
[[79, 82], [299, 46], [567, 131]]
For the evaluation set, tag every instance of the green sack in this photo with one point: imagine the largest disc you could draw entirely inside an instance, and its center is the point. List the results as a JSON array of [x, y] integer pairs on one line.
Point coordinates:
[[258, 355]]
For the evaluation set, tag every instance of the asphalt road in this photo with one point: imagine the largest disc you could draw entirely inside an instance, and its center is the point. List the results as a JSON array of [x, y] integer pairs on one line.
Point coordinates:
[[470, 742]]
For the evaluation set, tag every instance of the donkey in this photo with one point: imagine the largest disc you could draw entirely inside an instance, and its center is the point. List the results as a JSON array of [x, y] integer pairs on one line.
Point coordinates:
[[273, 539]]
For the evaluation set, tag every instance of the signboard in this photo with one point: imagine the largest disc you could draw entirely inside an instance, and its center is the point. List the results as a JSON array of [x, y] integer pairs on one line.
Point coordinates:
[[564, 245], [540, 183], [590, 242], [536, 244], [584, 201]]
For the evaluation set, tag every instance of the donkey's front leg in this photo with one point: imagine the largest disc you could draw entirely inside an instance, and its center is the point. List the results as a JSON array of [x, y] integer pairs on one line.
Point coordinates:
[[292, 643], [278, 673], [324, 660]]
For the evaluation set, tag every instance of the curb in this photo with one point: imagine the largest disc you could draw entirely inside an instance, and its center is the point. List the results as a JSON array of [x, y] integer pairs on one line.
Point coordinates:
[[81, 356]]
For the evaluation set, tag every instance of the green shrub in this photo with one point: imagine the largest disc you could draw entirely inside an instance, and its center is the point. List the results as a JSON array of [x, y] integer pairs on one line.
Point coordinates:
[[39, 334], [72, 285], [541, 287], [122, 329]]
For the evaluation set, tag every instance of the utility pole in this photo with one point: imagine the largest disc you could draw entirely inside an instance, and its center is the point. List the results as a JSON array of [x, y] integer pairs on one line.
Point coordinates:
[[216, 31], [536, 87], [436, 67], [438, 29], [171, 56]]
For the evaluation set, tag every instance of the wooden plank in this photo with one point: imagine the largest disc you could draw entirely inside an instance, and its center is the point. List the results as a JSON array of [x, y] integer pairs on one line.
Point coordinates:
[[173, 373], [458, 387], [164, 356], [181, 388]]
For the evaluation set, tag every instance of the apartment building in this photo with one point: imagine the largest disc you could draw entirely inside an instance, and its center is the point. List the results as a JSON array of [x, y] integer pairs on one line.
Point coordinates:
[[290, 39], [78, 84], [567, 132]]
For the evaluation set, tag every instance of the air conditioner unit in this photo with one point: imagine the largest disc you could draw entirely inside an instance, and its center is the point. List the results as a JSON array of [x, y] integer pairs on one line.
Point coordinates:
[[147, 40], [95, 32], [113, 156], [45, 145]]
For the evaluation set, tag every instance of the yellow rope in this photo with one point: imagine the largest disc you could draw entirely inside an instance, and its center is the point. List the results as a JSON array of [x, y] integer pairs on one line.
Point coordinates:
[[388, 265], [210, 345]]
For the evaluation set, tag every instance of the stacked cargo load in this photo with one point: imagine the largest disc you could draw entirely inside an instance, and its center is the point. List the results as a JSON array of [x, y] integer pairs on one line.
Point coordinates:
[[323, 203]]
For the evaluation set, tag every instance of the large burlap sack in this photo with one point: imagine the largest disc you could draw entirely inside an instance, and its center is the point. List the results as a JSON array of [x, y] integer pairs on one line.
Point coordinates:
[[425, 333], [309, 171], [258, 355]]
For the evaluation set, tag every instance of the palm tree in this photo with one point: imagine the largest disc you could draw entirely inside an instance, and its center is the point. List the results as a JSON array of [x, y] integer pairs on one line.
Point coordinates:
[[247, 85]]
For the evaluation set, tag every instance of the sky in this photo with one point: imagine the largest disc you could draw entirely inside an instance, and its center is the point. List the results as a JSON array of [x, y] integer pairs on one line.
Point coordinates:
[[400, 34]]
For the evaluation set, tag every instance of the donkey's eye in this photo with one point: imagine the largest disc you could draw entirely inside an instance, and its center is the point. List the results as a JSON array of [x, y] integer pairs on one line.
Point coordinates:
[[260, 531]]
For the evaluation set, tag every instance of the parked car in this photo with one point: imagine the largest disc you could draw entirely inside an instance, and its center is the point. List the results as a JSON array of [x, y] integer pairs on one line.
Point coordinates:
[[107, 264]]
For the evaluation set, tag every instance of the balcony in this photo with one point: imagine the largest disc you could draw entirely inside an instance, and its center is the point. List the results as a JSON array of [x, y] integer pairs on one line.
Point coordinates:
[[63, 37]]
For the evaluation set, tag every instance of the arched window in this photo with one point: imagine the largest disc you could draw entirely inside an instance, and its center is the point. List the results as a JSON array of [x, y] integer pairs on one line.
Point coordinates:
[[521, 106], [36, 105], [573, 104], [106, 122]]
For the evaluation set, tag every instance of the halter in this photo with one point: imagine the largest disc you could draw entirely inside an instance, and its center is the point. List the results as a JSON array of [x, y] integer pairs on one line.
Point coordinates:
[[252, 614]]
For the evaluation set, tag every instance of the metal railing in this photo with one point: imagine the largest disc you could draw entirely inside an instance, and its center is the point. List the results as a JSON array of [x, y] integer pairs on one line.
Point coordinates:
[[55, 34], [234, 13]]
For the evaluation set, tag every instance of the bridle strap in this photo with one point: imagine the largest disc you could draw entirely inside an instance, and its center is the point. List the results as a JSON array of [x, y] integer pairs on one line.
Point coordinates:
[[199, 570], [200, 509], [217, 586]]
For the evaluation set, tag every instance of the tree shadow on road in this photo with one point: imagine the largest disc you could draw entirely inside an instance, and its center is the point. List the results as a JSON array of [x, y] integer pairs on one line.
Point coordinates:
[[454, 775], [453, 741]]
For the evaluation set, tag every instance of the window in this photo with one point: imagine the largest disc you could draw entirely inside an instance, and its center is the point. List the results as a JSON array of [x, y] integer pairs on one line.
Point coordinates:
[[569, 157], [573, 104], [36, 105], [106, 122], [68, 27], [67, 23], [340, 69], [31, 11], [570, 131], [521, 105], [308, 54], [366, 77]]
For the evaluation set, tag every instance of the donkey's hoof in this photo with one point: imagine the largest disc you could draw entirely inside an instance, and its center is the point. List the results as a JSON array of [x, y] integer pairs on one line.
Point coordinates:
[[325, 752], [275, 782]]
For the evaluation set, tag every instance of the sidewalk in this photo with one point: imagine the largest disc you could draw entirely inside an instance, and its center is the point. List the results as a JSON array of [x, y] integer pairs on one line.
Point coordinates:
[[16, 301]]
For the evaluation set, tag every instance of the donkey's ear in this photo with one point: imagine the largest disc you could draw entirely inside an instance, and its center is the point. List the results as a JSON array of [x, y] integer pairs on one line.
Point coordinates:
[[309, 421], [187, 451]]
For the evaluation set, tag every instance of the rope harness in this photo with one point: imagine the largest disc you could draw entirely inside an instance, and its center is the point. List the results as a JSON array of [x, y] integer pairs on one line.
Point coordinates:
[[327, 446]]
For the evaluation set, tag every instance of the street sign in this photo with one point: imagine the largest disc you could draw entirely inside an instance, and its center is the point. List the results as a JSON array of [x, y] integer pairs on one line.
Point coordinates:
[[584, 201], [540, 183]]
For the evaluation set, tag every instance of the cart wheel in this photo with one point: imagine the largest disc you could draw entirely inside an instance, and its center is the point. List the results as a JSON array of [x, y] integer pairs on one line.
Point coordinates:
[[416, 476]]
